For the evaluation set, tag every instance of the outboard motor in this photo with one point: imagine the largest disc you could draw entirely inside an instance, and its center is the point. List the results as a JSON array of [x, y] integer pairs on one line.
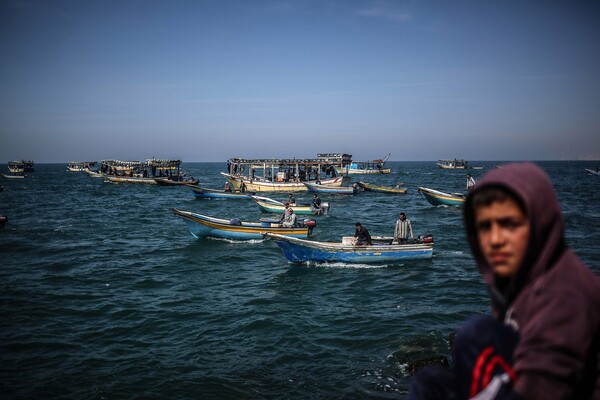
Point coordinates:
[[426, 238], [310, 223]]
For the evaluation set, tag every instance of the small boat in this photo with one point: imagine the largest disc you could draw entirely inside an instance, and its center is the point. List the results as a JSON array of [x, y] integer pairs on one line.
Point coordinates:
[[9, 176], [204, 226], [382, 189], [205, 193], [175, 182], [437, 198], [131, 179], [366, 167], [320, 188], [95, 173], [453, 164], [80, 166], [383, 249], [273, 206], [592, 172]]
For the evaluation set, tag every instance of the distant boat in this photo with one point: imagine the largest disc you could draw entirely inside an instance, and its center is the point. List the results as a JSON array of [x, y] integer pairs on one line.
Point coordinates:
[[204, 226], [382, 250], [9, 176], [315, 187], [131, 179], [453, 164], [80, 166], [365, 167], [382, 189], [273, 206], [16, 167], [205, 193], [437, 198]]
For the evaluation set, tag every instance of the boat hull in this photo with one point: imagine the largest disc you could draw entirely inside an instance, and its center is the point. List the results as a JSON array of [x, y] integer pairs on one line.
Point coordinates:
[[324, 189], [204, 193], [300, 251], [202, 226], [126, 179], [269, 207], [170, 182], [381, 189], [257, 186], [438, 198]]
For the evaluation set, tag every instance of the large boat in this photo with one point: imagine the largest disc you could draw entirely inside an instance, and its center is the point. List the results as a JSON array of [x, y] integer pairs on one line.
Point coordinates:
[[137, 172], [16, 167], [273, 206], [369, 187], [326, 189], [80, 166], [382, 250], [453, 164], [204, 226], [285, 175], [437, 198], [206, 193], [366, 167]]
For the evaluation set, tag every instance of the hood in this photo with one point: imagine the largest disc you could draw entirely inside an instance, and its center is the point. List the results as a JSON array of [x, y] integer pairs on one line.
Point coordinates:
[[534, 189]]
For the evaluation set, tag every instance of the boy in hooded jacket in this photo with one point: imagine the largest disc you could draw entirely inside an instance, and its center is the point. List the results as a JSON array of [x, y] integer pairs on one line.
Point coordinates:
[[544, 339]]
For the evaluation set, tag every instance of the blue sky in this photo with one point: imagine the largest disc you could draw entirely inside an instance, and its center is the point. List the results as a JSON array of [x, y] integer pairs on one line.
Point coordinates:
[[209, 80]]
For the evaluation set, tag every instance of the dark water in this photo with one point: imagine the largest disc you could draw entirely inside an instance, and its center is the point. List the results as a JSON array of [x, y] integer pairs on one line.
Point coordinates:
[[106, 295]]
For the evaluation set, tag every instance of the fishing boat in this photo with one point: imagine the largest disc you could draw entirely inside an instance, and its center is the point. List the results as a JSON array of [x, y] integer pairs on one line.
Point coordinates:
[[452, 164], [398, 189], [144, 173], [204, 226], [16, 167], [592, 171], [285, 175], [325, 189], [437, 198], [10, 176], [175, 182], [94, 173], [205, 193], [382, 250], [80, 166], [274, 206], [366, 167]]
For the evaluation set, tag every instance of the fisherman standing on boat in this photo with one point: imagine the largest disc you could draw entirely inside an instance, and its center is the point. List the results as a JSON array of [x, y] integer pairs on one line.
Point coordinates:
[[362, 235], [317, 203], [291, 199], [470, 181], [402, 229]]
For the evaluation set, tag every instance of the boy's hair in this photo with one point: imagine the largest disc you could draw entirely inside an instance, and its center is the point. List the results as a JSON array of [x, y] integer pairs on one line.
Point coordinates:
[[492, 194]]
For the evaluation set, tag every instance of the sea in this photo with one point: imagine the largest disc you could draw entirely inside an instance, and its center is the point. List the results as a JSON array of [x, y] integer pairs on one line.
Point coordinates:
[[105, 294]]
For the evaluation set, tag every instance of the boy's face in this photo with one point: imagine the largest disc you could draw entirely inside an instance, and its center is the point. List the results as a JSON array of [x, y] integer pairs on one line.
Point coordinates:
[[503, 234]]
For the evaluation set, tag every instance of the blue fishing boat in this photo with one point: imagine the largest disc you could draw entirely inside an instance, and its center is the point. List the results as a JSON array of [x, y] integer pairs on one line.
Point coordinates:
[[204, 226], [383, 250], [205, 193], [327, 189], [437, 198]]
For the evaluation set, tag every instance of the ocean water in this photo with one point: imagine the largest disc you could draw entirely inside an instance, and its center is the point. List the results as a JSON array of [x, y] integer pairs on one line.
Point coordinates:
[[106, 295]]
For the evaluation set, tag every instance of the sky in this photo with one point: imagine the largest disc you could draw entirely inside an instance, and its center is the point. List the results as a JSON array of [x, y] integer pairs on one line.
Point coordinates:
[[209, 80]]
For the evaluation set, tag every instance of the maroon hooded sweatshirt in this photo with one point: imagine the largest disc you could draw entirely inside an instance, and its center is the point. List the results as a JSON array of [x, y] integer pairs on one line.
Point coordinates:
[[553, 302]]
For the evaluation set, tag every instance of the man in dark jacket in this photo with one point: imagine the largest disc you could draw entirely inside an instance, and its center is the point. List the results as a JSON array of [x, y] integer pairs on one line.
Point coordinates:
[[362, 235], [544, 339]]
